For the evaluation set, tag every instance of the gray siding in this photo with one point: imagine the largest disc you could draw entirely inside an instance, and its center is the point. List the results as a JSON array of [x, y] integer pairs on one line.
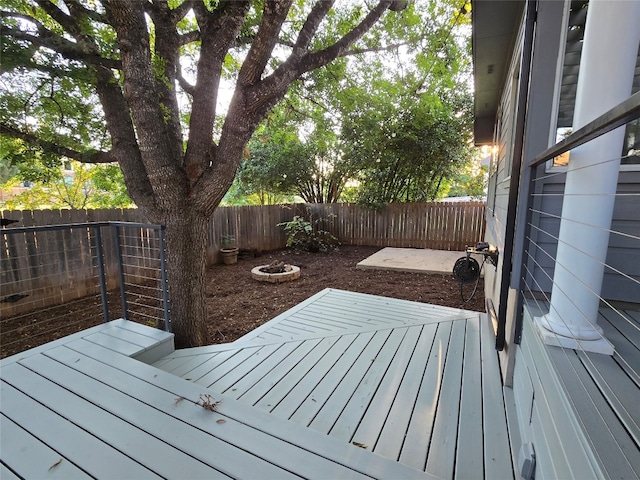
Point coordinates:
[[624, 250]]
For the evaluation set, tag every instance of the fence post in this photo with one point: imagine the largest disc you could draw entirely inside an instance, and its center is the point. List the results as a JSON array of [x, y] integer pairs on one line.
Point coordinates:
[[123, 288], [101, 273], [165, 283]]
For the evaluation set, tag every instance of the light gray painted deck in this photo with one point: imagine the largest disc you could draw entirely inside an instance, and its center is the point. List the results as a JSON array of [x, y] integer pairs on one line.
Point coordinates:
[[600, 394], [414, 383], [81, 407]]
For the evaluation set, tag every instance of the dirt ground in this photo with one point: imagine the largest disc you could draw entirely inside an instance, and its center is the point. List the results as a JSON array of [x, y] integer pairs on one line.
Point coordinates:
[[236, 303]]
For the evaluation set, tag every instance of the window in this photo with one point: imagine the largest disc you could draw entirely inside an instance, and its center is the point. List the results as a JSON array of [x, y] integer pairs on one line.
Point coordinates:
[[574, 36]]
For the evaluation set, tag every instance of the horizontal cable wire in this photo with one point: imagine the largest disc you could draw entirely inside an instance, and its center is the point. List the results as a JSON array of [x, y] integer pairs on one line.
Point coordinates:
[[532, 289], [586, 254], [595, 227], [564, 171], [584, 285], [51, 264]]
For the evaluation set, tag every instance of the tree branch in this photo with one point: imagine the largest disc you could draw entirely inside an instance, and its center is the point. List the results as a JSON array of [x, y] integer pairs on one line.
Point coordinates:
[[90, 156], [269, 91], [273, 16], [66, 48], [219, 29], [186, 86], [310, 27], [323, 57], [357, 51]]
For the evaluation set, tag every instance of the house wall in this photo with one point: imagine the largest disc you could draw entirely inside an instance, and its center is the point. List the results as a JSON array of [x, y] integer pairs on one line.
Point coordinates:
[[539, 410], [500, 171], [623, 254]]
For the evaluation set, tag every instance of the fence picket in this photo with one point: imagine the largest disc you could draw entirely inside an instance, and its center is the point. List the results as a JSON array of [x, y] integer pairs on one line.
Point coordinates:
[[438, 225]]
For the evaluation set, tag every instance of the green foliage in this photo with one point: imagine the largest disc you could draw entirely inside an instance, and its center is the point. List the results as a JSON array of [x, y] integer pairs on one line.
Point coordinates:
[[75, 185], [227, 241], [471, 181], [388, 126], [405, 155], [305, 235]]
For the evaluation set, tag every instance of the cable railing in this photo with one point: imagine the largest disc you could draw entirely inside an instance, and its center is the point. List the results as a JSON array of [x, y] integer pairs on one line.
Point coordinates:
[[621, 278], [56, 280], [576, 294]]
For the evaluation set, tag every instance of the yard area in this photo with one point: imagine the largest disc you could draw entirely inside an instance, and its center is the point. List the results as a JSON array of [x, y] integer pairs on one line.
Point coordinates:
[[237, 304]]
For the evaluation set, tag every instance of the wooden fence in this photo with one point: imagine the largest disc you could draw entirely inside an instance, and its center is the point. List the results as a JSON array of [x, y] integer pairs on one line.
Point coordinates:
[[62, 263], [438, 225]]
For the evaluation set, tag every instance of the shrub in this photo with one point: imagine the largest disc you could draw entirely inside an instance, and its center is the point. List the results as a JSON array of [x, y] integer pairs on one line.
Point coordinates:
[[304, 235]]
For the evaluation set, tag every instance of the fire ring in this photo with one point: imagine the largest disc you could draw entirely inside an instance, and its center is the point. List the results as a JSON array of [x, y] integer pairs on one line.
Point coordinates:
[[289, 276]]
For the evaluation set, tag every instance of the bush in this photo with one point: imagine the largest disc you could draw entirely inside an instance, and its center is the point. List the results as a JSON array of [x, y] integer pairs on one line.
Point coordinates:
[[304, 235]]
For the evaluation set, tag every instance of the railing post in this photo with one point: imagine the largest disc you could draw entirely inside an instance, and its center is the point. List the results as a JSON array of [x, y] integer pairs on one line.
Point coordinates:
[[123, 288], [163, 279], [101, 273]]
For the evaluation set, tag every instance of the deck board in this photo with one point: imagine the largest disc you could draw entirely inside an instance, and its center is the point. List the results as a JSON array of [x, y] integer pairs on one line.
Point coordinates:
[[244, 426], [496, 438], [79, 409], [420, 429], [469, 458], [22, 448], [408, 387], [294, 398], [445, 429], [340, 312], [603, 392]]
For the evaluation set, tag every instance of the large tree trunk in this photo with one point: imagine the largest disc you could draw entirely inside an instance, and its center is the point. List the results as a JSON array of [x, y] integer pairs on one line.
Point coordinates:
[[186, 235]]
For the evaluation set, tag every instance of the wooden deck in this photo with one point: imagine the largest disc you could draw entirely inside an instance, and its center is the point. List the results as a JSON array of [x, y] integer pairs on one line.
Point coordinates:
[[415, 383], [345, 385], [603, 391]]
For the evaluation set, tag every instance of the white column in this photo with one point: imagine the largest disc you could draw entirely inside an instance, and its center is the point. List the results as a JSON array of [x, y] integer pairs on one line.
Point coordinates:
[[609, 53]]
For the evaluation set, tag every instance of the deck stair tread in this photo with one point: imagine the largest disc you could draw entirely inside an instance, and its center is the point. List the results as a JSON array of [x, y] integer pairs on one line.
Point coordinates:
[[121, 336]]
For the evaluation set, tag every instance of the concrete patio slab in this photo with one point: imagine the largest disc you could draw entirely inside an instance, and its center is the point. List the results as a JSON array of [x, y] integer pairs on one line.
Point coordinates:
[[421, 260]]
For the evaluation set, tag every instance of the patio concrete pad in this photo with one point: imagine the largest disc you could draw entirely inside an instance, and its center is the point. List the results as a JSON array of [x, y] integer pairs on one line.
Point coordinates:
[[423, 260]]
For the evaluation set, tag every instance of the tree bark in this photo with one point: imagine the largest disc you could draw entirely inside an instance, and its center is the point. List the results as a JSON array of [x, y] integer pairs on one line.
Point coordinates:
[[186, 235]]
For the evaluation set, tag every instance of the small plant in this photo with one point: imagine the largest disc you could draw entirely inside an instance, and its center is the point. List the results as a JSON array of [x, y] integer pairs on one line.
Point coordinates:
[[227, 242], [305, 235]]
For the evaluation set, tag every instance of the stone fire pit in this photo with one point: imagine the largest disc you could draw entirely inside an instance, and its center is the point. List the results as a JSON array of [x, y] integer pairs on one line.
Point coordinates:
[[276, 272]]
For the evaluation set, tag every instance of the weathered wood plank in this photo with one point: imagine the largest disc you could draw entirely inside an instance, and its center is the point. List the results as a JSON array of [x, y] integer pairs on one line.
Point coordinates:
[[470, 451], [358, 390], [335, 373], [619, 390], [307, 443], [626, 351], [7, 474], [618, 454], [497, 458], [254, 366], [393, 433], [445, 429], [109, 425], [419, 434], [90, 454], [305, 373], [265, 374], [221, 367], [20, 450]]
